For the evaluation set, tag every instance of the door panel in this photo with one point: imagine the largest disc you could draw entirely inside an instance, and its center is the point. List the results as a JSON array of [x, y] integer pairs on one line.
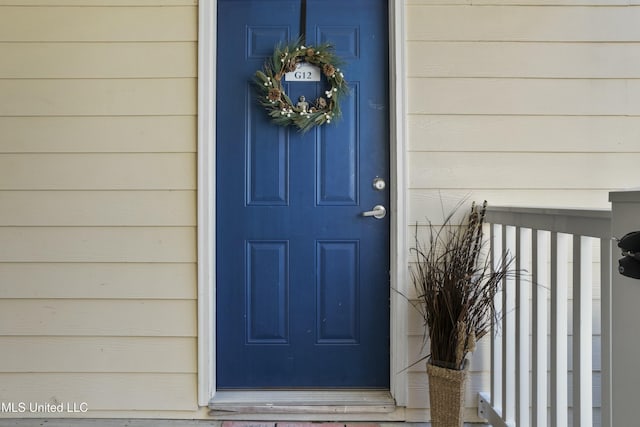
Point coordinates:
[[302, 277]]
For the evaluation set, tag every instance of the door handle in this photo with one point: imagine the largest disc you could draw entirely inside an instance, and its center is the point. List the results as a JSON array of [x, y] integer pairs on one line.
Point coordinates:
[[378, 212]]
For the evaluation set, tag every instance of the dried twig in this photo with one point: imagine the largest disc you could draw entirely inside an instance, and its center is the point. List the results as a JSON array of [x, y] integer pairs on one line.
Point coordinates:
[[456, 286]]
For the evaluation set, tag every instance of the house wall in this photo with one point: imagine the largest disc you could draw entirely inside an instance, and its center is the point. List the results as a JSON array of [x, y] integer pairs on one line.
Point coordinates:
[[531, 103], [98, 205], [519, 102]]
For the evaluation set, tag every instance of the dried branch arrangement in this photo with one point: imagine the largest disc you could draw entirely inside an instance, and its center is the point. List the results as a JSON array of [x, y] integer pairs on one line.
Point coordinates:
[[456, 287]]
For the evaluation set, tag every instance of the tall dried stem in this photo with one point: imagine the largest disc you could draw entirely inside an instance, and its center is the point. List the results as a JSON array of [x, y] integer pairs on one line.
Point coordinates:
[[456, 286]]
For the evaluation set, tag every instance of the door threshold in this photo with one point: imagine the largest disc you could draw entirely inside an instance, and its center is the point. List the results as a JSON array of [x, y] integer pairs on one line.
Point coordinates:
[[302, 402]]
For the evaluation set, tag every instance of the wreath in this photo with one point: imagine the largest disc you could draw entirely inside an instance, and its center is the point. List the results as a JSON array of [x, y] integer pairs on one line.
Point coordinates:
[[303, 114]]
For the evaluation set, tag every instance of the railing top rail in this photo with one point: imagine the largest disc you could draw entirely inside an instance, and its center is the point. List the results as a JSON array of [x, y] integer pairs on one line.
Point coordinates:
[[592, 223]]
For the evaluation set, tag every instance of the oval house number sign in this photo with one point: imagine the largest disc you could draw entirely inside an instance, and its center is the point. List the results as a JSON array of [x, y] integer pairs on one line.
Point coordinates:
[[304, 72]]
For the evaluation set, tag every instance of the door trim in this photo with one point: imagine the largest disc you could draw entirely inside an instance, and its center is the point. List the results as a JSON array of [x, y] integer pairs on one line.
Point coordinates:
[[206, 194], [206, 209]]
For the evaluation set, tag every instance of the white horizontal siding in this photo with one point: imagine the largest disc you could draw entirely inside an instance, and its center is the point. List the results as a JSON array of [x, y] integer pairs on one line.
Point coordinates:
[[93, 244], [98, 3], [523, 60], [97, 208], [419, 388], [575, 97], [98, 60], [522, 104], [104, 171], [524, 133], [98, 24], [103, 391], [98, 280], [98, 354], [587, 3], [98, 205], [429, 204], [34, 317], [103, 134], [523, 23], [97, 97], [479, 170], [478, 361]]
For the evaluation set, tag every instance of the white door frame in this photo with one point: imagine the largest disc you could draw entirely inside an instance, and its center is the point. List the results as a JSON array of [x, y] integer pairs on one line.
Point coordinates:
[[207, 20]]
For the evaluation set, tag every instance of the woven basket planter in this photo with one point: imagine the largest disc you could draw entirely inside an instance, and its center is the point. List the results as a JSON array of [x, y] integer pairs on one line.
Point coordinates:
[[446, 395]]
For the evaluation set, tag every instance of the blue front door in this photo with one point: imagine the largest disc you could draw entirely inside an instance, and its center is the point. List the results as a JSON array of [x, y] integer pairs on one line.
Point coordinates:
[[302, 276]]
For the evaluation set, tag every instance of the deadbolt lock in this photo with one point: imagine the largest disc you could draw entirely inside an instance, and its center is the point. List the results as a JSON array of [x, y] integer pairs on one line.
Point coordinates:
[[379, 184]]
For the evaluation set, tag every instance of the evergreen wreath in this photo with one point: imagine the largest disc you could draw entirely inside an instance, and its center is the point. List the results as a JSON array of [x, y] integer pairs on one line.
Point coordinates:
[[304, 115]]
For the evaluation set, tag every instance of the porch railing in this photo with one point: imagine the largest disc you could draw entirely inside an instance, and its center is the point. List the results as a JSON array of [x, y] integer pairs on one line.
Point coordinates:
[[555, 316]]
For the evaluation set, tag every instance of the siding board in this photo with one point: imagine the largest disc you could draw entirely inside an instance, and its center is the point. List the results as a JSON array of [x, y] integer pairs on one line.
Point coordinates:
[[505, 170], [419, 388], [523, 105], [151, 134], [586, 3], [524, 96], [493, 133], [97, 171], [527, 60], [98, 208], [437, 2], [94, 3], [97, 318], [430, 203], [98, 274], [523, 23], [98, 60], [112, 391], [97, 24], [91, 244], [98, 280], [479, 360], [521, 2], [104, 354], [89, 97]]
